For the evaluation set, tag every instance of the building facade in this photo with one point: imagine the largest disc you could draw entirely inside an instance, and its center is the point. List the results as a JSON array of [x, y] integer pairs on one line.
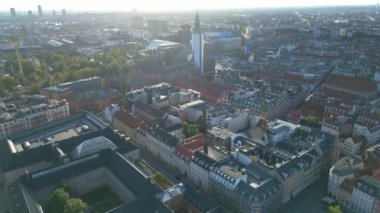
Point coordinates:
[[366, 195], [32, 117]]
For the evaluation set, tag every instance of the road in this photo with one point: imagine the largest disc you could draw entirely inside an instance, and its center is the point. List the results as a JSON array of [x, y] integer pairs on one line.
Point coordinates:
[[158, 165], [309, 200]]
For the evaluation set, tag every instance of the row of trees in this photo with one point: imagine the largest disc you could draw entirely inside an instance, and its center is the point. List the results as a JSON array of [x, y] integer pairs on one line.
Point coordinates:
[[61, 200], [161, 179]]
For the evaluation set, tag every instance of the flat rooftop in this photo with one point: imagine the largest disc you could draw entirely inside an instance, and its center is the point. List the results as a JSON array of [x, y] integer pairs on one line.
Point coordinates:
[[57, 131], [215, 154], [230, 171]]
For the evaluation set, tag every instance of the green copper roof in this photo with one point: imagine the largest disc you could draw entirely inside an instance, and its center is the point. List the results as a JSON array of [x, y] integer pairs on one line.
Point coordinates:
[[197, 24]]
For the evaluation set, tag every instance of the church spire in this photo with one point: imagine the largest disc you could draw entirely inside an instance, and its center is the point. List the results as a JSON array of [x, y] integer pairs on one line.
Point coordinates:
[[197, 24]]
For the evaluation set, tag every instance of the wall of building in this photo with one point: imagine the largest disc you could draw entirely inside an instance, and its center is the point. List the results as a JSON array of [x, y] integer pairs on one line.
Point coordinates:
[[237, 123], [133, 155], [118, 188], [349, 147], [120, 125], [361, 202], [344, 198], [59, 111], [199, 176], [376, 206], [12, 176], [89, 181], [335, 181], [81, 184], [363, 131]]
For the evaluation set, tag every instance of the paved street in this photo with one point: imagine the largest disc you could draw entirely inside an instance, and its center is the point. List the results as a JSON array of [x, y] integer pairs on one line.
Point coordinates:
[[309, 200], [160, 166]]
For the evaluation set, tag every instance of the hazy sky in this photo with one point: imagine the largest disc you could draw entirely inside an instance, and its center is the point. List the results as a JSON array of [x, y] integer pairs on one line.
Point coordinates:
[[166, 4]]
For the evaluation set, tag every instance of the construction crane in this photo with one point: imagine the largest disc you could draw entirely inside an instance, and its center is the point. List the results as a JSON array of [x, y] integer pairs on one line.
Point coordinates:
[[16, 44]]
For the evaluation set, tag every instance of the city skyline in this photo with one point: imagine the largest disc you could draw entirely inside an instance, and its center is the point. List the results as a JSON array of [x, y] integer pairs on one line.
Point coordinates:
[[169, 5]]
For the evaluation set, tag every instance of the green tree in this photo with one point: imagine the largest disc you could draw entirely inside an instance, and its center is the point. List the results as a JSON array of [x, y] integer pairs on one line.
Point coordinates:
[[57, 201], [193, 130], [8, 85], [74, 205], [34, 88], [312, 119], [65, 186], [27, 68], [189, 130], [185, 128], [161, 179], [334, 209]]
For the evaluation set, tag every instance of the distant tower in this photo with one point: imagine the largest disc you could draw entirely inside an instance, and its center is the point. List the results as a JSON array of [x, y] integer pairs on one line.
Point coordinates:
[[39, 10], [63, 12], [30, 13], [197, 44], [13, 12], [53, 12]]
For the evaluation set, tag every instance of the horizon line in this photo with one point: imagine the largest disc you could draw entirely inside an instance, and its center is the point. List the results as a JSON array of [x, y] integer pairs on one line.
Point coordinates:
[[195, 9]]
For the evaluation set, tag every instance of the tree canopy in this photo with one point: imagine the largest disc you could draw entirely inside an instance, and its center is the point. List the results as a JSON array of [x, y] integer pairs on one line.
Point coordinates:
[[59, 66], [74, 205], [61, 200], [190, 130], [312, 119], [57, 201], [334, 209]]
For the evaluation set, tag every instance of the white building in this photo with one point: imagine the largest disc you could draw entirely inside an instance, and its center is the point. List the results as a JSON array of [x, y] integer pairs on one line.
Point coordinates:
[[368, 125], [197, 45], [192, 111], [228, 176], [200, 167], [110, 111], [343, 168], [237, 123], [31, 117], [158, 142], [216, 117], [351, 146], [365, 194]]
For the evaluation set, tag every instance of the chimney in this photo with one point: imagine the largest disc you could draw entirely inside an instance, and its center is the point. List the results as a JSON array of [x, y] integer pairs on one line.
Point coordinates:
[[205, 145], [149, 100], [204, 130]]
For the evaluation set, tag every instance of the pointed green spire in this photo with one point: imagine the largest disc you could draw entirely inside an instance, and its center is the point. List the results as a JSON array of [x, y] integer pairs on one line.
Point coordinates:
[[197, 24]]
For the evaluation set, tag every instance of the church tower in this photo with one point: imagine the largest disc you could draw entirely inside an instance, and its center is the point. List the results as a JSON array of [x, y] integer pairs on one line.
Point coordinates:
[[197, 45]]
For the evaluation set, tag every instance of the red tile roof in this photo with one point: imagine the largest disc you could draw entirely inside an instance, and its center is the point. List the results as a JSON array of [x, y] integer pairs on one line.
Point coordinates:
[[262, 123], [357, 139], [195, 142], [351, 83], [182, 150], [376, 175], [128, 119], [295, 116], [327, 92], [190, 145], [347, 185]]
